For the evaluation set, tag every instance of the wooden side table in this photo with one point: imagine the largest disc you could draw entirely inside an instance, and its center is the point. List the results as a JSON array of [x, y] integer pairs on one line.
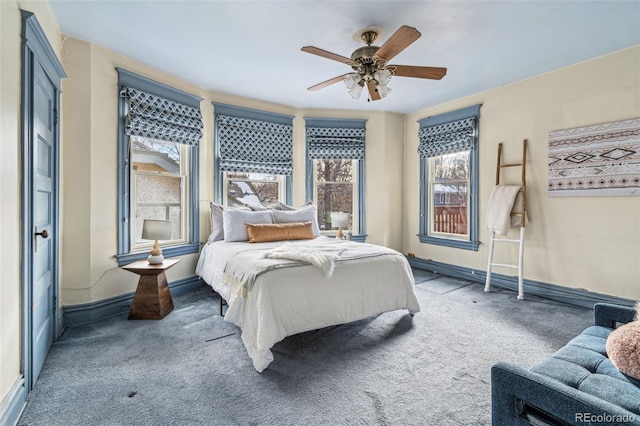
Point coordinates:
[[153, 297]]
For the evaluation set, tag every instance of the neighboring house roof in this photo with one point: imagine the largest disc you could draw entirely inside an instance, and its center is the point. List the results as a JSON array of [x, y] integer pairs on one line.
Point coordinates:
[[144, 154]]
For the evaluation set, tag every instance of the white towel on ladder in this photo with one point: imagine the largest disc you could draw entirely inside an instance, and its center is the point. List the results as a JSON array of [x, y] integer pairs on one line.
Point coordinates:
[[501, 204]]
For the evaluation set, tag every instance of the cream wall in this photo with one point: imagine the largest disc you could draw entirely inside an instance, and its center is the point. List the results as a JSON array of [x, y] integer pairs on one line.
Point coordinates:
[[591, 243], [89, 167], [10, 178]]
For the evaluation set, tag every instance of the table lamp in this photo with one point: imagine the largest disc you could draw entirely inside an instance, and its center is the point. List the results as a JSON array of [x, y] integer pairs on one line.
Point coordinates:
[[340, 220], [156, 230]]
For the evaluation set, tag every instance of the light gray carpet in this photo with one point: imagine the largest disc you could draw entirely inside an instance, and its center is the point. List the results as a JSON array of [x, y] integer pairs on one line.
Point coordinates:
[[191, 368]]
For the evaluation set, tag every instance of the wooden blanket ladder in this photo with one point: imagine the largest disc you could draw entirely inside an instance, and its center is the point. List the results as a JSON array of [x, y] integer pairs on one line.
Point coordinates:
[[522, 214]]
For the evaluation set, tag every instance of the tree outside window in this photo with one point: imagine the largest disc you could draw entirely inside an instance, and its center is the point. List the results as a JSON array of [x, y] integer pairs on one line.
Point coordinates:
[[334, 190], [252, 189]]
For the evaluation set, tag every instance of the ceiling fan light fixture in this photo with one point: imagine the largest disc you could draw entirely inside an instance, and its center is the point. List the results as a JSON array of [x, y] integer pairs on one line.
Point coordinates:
[[382, 76], [383, 90], [356, 91], [355, 84], [351, 80]]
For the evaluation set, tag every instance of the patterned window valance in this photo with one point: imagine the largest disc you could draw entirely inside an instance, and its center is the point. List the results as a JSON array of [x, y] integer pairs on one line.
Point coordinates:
[[254, 146], [335, 143], [447, 138], [159, 118]]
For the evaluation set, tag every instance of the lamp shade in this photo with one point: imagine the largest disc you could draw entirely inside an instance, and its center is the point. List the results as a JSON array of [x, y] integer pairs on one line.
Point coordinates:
[[156, 229], [340, 220]]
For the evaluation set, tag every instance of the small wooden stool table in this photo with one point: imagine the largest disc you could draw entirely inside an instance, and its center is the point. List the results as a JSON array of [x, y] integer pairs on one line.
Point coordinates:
[[153, 298]]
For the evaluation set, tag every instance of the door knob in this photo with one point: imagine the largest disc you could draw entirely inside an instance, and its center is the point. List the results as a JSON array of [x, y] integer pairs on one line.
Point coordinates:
[[43, 234]]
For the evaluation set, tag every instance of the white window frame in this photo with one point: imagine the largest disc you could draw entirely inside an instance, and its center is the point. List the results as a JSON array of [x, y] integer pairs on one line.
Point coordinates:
[[355, 192], [432, 204], [183, 175], [279, 179]]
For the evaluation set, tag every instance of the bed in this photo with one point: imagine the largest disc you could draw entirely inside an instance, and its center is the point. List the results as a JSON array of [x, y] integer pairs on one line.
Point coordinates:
[[270, 297]]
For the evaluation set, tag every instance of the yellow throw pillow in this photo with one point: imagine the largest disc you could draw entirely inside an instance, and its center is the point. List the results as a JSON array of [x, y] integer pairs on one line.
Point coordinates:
[[260, 233]]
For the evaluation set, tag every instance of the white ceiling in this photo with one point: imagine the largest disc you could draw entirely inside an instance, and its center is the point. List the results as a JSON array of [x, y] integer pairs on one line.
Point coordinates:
[[252, 48]]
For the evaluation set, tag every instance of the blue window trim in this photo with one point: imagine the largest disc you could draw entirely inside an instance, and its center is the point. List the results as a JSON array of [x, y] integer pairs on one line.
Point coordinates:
[[125, 256], [423, 235], [340, 123], [251, 114]]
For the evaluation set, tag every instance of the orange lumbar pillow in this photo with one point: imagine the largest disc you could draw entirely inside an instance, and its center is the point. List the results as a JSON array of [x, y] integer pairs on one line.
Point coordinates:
[[260, 233], [623, 347]]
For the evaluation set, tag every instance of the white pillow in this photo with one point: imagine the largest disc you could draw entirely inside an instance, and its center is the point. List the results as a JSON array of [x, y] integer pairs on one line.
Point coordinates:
[[235, 220], [217, 225], [303, 214]]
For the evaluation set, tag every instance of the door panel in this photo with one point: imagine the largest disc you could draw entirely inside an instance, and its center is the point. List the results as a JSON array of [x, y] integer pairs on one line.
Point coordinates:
[[42, 193]]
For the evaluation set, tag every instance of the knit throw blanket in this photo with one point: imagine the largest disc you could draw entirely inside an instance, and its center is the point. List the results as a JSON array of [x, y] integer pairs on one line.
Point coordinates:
[[242, 270]]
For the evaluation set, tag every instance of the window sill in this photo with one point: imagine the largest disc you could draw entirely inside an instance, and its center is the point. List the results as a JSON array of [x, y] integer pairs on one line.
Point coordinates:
[[173, 251], [450, 242], [354, 237]]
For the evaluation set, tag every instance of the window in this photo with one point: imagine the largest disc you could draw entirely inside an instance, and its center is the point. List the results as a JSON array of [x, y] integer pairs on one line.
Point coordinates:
[[335, 191], [449, 175], [335, 161], [252, 188], [253, 156], [158, 134], [449, 193], [159, 187]]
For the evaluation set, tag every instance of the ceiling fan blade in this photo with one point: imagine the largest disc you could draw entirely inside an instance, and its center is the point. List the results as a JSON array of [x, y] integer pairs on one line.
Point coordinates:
[[325, 54], [399, 41], [373, 92], [433, 73], [324, 84]]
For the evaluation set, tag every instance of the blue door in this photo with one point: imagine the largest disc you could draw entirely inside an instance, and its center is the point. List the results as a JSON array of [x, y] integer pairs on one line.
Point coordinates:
[[43, 202], [42, 73]]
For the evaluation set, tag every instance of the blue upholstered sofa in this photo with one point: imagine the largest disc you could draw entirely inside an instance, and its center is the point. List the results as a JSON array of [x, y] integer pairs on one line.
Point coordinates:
[[578, 385]]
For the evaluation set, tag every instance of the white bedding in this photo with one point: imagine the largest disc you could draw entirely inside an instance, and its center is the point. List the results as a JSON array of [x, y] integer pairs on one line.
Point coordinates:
[[287, 301]]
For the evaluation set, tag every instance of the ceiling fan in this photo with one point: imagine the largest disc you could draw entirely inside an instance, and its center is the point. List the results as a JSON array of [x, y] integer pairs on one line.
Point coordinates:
[[371, 66]]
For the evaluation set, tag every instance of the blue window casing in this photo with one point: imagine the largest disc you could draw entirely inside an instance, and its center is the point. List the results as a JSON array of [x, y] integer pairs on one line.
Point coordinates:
[[423, 235], [359, 234], [251, 114], [125, 256]]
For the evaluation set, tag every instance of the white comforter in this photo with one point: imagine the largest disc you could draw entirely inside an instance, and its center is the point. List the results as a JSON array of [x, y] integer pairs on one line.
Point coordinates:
[[287, 301]]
